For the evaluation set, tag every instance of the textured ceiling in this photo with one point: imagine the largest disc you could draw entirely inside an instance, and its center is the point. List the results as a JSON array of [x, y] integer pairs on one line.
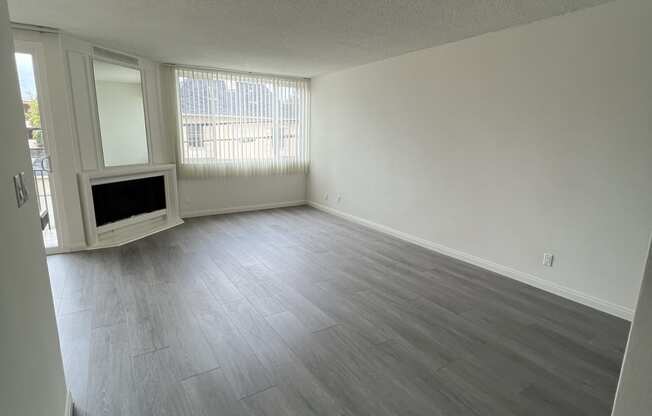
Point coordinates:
[[293, 37]]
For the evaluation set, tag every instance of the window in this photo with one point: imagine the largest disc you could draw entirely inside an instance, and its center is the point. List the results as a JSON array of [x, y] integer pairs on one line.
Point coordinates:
[[233, 123], [194, 135]]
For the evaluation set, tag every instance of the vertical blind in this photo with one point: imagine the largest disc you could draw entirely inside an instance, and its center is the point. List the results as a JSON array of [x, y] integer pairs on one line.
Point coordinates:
[[241, 124]]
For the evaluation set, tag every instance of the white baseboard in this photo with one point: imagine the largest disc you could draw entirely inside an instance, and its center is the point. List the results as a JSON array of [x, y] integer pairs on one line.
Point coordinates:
[[532, 280], [68, 411], [242, 208], [68, 249]]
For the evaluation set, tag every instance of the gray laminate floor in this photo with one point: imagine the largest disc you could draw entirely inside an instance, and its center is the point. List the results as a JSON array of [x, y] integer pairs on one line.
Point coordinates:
[[295, 312]]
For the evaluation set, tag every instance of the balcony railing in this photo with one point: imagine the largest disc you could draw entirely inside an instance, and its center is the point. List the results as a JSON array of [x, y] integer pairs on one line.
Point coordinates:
[[41, 169]]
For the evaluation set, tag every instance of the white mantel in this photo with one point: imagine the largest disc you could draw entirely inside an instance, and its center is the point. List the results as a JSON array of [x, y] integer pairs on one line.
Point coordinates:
[[134, 228]]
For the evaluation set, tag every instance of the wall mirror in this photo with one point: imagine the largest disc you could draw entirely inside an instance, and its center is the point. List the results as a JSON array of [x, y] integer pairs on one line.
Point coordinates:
[[121, 114]]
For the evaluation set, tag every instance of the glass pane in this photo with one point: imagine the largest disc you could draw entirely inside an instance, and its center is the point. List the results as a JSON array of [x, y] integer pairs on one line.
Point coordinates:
[[37, 146], [232, 117], [25, 67], [121, 113]]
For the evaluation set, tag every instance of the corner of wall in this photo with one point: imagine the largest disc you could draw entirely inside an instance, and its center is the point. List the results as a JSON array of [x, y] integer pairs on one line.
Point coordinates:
[[527, 278]]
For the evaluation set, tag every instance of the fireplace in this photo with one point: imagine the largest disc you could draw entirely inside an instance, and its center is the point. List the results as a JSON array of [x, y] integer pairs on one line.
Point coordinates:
[[115, 201], [124, 204]]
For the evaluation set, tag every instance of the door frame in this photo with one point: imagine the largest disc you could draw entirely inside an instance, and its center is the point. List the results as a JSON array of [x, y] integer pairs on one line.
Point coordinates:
[[36, 49]]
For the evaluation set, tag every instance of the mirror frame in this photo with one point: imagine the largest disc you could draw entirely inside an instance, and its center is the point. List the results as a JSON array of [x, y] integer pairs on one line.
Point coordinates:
[[98, 129]]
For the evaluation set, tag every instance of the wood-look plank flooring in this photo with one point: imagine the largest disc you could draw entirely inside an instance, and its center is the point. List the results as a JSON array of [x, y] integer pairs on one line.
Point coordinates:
[[296, 312]]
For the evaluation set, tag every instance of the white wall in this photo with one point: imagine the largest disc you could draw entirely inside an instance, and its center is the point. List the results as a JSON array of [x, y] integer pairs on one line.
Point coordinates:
[[31, 377], [208, 196], [122, 123], [633, 396], [235, 193], [505, 146]]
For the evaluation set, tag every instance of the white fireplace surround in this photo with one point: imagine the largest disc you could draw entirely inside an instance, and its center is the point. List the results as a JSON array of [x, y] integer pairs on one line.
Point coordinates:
[[136, 227]]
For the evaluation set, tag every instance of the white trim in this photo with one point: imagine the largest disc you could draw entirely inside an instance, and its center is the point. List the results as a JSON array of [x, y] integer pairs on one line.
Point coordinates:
[[242, 208], [54, 250], [69, 249], [37, 51], [77, 102], [143, 89], [131, 220], [123, 241], [67, 411], [532, 280], [130, 229]]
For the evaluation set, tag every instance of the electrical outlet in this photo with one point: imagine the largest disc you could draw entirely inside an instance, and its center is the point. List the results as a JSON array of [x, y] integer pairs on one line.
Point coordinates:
[[326, 196], [548, 259], [339, 198]]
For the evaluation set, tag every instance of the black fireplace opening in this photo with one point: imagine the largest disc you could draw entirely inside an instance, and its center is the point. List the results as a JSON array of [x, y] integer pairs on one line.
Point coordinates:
[[117, 201]]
